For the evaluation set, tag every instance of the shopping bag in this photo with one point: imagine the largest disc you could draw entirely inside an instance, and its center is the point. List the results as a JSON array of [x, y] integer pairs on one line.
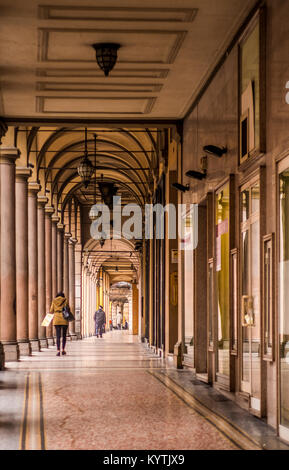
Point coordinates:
[[47, 320]]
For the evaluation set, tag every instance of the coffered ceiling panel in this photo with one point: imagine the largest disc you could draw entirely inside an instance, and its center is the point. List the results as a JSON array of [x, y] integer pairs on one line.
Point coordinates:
[[99, 87], [89, 105], [96, 73], [54, 12], [168, 49], [72, 45]]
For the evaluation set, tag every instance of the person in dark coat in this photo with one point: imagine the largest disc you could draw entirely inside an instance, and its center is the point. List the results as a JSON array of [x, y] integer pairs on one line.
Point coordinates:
[[99, 318]]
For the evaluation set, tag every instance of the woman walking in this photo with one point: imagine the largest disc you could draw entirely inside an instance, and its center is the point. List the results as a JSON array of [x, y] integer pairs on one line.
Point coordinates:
[[61, 325]]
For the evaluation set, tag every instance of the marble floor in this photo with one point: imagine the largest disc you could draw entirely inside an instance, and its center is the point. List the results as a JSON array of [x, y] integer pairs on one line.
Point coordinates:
[[102, 395]]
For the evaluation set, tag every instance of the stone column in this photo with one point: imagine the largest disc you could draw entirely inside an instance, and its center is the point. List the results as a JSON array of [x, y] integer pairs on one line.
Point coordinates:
[[89, 303], [67, 236], [60, 247], [33, 189], [21, 239], [84, 301], [48, 269], [113, 313], [41, 202], [8, 255], [54, 254], [135, 306], [71, 264]]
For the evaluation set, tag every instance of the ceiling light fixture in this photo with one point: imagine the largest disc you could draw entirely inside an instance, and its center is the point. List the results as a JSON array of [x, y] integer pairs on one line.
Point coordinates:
[[198, 175], [107, 191], [181, 187], [214, 150], [106, 55], [85, 168]]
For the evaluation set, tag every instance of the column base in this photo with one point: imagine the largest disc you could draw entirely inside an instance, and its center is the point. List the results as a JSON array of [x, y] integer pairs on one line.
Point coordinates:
[[50, 341], [11, 352], [25, 348], [178, 356], [78, 335], [43, 343], [35, 345], [2, 357], [73, 336]]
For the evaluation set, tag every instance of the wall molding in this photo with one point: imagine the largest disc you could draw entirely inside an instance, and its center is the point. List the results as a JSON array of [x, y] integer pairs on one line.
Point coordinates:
[[91, 13], [42, 100], [103, 87], [95, 73]]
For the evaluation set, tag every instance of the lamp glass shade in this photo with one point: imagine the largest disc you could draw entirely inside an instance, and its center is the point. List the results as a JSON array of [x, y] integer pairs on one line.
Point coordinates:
[[106, 56], [85, 170]]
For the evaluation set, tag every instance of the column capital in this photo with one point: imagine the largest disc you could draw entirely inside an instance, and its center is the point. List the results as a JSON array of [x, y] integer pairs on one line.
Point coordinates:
[[55, 219], [67, 235], [23, 173], [9, 155], [72, 241], [42, 201], [33, 188], [49, 210], [60, 227]]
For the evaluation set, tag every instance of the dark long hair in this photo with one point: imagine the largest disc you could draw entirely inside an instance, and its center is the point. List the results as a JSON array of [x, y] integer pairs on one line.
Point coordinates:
[[60, 294]]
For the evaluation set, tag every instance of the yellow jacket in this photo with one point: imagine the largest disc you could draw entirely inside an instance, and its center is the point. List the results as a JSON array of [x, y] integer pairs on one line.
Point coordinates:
[[56, 307]]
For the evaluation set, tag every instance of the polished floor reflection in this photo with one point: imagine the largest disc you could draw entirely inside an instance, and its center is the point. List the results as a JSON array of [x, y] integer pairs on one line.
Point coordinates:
[[99, 396]]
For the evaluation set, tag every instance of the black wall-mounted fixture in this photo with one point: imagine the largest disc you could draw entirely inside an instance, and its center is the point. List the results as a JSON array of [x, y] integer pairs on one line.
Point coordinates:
[[197, 175], [106, 55], [181, 187], [214, 150]]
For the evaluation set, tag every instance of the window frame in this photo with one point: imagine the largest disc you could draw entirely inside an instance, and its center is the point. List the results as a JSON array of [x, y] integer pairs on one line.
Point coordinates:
[[268, 355], [260, 17]]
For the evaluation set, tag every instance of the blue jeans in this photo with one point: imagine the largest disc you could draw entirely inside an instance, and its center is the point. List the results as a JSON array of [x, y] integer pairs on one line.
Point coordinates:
[[98, 330]]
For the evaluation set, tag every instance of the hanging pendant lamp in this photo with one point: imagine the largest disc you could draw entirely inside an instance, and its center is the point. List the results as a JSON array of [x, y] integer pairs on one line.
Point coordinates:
[[85, 168], [106, 55]]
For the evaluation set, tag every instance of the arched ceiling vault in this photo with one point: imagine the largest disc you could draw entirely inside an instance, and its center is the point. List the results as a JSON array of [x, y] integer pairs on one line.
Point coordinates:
[[126, 157], [117, 258]]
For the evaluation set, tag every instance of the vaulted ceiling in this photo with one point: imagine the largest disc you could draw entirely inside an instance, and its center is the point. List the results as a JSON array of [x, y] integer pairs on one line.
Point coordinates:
[[168, 48]]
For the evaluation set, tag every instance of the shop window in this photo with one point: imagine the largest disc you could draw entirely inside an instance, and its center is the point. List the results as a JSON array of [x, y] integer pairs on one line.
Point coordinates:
[[188, 288], [250, 325], [244, 136], [284, 297], [222, 279], [251, 89], [268, 296], [234, 301], [211, 304]]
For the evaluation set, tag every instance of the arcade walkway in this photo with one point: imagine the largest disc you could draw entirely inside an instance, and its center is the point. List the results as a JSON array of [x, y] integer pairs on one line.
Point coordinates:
[[100, 396]]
